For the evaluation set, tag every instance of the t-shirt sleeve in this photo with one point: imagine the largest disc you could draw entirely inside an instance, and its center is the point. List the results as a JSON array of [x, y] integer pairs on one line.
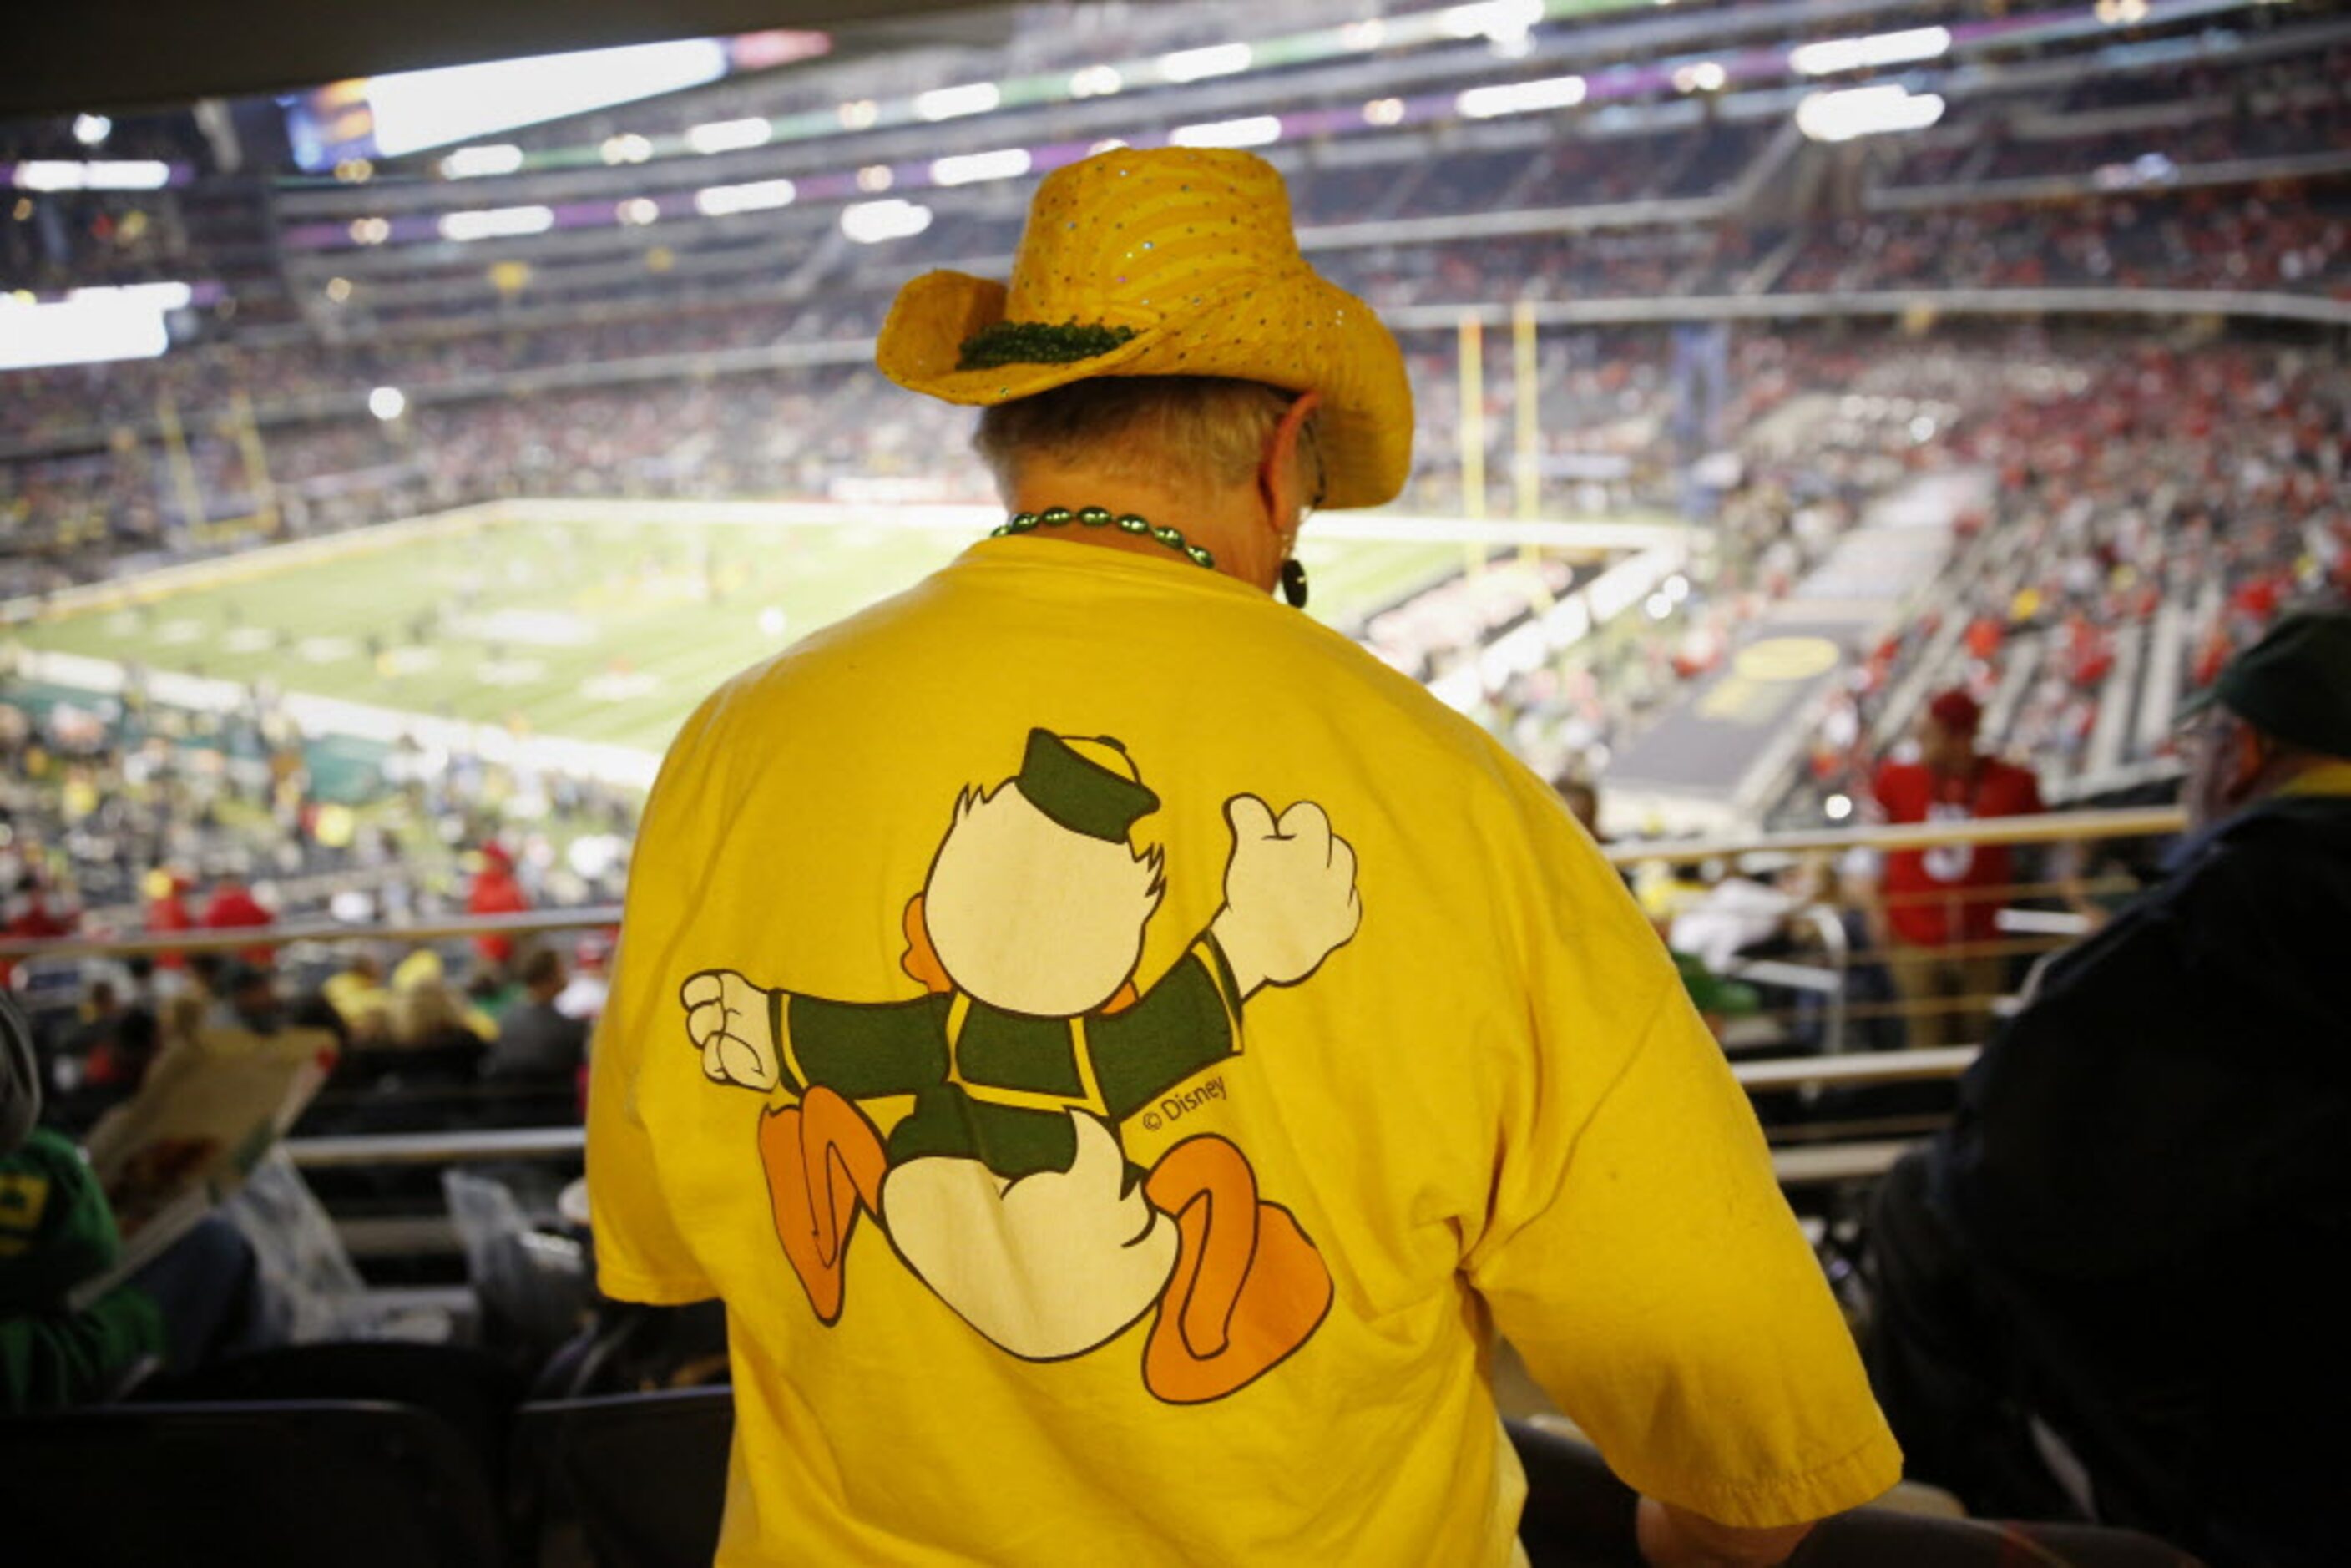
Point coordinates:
[[1639, 1255], [640, 1253]]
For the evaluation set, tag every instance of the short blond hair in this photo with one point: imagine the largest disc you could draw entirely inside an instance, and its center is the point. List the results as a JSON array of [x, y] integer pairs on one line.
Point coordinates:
[[1146, 428]]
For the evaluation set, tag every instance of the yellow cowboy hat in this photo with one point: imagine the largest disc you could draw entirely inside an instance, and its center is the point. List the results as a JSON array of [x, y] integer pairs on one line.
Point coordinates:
[[1172, 262]]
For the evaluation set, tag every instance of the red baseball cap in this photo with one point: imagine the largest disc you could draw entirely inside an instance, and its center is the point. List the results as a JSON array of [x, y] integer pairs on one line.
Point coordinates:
[[1956, 711]]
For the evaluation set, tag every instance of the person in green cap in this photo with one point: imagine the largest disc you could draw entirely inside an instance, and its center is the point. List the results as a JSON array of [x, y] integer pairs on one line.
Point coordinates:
[[2127, 1238]]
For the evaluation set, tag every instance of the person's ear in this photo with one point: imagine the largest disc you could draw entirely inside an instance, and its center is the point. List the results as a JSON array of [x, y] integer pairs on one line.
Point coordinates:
[[1279, 483], [2249, 759]]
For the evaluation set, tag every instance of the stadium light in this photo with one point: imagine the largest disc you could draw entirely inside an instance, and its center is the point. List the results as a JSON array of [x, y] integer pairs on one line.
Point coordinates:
[[1384, 112], [371, 231], [476, 162], [90, 326], [125, 175], [497, 222], [629, 148], [1837, 808], [89, 129], [637, 211], [387, 403], [1197, 65], [858, 114], [759, 197], [145, 296], [412, 110], [970, 168], [1499, 20], [871, 223], [1254, 132], [1096, 81], [950, 102], [2147, 169], [729, 135], [1521, 98], [1366, 35], [1866, 111], [1833, 55], [1706, 76]]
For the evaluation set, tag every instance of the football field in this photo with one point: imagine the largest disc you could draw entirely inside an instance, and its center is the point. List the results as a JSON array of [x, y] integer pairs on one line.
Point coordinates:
[[596, 630]]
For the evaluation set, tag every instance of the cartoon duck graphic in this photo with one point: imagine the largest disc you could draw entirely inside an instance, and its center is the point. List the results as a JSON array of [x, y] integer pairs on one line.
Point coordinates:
[[1006, 1187]]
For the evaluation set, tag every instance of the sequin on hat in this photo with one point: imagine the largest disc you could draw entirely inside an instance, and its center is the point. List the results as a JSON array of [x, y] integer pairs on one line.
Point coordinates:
[[1172, 261]]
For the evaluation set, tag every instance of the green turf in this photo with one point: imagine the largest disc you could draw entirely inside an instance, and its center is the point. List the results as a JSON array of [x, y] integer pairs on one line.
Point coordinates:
[[594, 632]]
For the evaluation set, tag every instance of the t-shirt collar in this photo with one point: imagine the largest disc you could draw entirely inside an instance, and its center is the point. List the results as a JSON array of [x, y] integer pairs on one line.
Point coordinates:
[[1134, 566]]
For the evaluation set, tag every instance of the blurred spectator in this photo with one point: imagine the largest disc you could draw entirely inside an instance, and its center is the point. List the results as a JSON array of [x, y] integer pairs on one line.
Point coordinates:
[[233, 908], [101, 1016], [357, 995], [1942, 904], [495, 891], [536, 1039], [117, 1064], [31, 918], [1583, 803], [247, 998], [167, 910], [583, 998], [2128, 1237], [201, 1297], [428, 1013]]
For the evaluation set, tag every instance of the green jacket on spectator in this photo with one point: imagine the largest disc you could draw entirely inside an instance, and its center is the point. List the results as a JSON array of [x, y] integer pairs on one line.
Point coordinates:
[[56, 1231]]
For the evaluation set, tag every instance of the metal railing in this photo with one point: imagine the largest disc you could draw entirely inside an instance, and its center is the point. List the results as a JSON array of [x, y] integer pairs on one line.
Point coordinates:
[[1856, 1156], [2056, 827], [2052, 828], [477, 1146]]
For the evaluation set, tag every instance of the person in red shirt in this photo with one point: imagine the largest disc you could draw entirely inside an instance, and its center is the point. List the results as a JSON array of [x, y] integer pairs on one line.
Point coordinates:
[[234, 908], [28, 918], [495, 892], [168, 911], [1941, 904]]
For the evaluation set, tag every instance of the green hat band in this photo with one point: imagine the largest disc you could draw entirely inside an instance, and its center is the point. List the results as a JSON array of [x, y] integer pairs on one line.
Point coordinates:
[[1081, 795], [1039, 343]]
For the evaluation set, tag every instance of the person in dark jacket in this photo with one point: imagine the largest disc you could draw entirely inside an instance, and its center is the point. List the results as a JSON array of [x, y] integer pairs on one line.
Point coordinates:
[[535, 1040], [2122, 1252]]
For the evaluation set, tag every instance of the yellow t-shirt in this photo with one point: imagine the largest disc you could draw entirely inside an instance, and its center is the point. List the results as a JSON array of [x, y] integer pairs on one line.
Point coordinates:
[[1263, 1040]]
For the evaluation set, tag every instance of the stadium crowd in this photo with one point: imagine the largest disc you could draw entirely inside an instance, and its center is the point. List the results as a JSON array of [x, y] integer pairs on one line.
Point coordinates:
[[2174, 497], [2156, 502], [130, 816]]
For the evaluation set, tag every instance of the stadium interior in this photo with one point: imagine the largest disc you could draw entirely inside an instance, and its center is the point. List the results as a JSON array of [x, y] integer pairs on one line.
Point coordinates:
[[388, 467]]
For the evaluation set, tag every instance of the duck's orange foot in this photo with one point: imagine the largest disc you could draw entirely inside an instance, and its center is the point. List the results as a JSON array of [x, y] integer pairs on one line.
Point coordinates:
[[1248, 1286], [823, 1160]]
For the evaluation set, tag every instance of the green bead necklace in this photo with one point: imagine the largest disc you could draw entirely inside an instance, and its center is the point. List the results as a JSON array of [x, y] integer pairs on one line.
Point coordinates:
[[1102, 517]]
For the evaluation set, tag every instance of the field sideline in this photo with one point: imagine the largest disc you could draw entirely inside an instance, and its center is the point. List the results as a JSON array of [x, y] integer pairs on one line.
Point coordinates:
[[598, 630]]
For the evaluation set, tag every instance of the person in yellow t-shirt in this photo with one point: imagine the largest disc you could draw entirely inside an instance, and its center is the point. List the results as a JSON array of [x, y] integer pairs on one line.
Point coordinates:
[[1120, 1052]]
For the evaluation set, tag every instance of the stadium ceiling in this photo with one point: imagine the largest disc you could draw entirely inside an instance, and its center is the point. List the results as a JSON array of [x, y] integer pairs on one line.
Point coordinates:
[[114, 55]]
